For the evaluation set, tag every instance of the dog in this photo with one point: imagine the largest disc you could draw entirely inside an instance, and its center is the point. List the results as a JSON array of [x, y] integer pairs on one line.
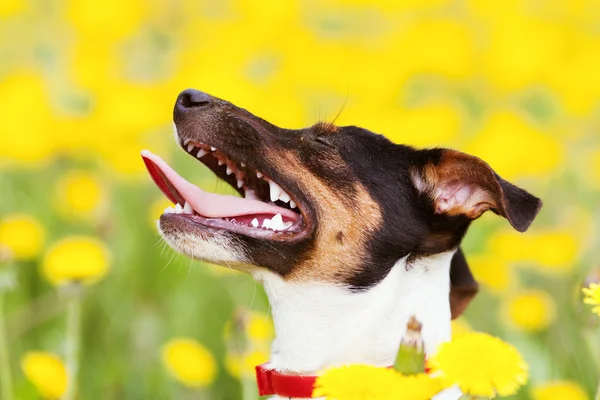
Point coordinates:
[[349, 233]]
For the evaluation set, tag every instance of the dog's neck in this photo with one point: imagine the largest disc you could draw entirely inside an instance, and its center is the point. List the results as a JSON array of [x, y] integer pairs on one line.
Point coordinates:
[[321, 325]]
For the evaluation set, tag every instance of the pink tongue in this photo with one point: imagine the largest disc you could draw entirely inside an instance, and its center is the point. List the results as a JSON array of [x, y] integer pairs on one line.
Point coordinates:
[[211, 204]]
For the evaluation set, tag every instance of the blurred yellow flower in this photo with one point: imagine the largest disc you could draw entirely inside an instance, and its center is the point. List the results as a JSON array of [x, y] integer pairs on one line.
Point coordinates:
[[595, 167], [25, 131], [435, 46], [531, 310], [23, 235], [76, 259], [111, 22], [551, 250], [47, 373], [427, 126], [491, 271], [577, 91], [11, 7], [514, 147], [357, 382], [259, 327], [80, 193], [189, 362], [592, 297], [240, 366], [558, 390], [480, 364], [520, 51], [156, 209], [460, 326]]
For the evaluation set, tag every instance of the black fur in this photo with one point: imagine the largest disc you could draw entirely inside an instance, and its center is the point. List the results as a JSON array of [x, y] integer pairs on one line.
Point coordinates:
[[341, 158]]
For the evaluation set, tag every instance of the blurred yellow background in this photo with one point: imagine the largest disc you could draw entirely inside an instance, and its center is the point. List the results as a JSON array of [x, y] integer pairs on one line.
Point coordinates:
[[85, 85]]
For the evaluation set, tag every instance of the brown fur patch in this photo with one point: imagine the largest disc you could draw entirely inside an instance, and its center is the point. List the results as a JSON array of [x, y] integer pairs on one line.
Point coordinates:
[[353, 215], [457, 168]]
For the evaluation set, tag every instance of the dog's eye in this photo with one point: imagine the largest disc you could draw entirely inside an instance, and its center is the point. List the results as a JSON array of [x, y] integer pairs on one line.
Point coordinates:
[[326, 140]]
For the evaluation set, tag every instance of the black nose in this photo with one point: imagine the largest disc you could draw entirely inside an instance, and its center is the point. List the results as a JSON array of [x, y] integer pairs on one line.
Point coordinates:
[[192, 98]]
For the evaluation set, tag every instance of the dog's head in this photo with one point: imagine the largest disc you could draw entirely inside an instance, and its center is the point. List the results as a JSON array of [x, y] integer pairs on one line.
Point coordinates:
[[325, 203]]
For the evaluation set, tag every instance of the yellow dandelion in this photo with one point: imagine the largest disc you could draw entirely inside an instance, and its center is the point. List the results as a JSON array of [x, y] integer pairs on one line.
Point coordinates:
[[256, 326], [11, 7], [532, 310], [156, 210], [460, 326], [505, 142], [189, 362], [240, 366], [357, 382], [80, 192], [592, 297], [419, 386], [552, 251], [259, 327], [47, 373], [491, 271], [23, 235], [233, 364], [76, 259], [563, 390], [25, 135], [480, 364], [113, 22]]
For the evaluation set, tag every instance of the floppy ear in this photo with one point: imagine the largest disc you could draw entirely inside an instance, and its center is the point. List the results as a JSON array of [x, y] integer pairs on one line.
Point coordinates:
[[460, 184], [463, 287]]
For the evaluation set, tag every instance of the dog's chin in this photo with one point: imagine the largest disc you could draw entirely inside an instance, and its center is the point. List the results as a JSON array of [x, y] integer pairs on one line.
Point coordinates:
[[215, 246]]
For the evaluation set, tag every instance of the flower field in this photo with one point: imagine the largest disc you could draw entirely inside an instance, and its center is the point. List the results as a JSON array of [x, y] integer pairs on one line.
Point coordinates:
[[90, 294]]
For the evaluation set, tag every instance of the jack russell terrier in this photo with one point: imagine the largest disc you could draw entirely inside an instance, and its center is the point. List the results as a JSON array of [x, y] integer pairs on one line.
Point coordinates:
[[349, 233]]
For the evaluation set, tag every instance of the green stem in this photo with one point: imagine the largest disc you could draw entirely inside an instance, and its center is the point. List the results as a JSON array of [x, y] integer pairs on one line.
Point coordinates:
[[249, 391], [73, 343], [598, 392], [5, 374]]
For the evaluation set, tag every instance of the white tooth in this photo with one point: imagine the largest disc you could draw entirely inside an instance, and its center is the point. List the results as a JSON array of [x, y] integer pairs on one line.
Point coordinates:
[[292, 204], [266, 223], [259, 175], [178, 209], [275, 191], [212, 148], [186, 142], [221, 162], [284, 197], [250, 194], [286, 225], [277, 223], [229, 171], [201, 153], [242, 164], [167, 210], [254, 223], [187, 208], [240, 183], [190, 147]]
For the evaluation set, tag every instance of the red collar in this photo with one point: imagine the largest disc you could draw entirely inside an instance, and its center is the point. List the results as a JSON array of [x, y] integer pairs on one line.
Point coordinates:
[[271, 382]]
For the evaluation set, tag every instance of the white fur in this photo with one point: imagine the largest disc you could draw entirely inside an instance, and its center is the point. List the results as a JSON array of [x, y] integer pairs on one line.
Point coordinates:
[[216, 249], [320, 325]]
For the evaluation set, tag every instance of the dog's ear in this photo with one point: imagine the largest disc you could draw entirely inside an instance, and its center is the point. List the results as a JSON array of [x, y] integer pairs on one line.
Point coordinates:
[[463, 287], [460, 184]]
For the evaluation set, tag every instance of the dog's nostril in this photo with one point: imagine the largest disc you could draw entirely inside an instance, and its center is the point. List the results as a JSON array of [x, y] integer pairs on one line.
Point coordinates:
[[191, 98]]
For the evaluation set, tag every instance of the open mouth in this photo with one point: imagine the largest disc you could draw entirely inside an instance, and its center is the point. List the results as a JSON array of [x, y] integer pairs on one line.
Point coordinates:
[[265, 210]]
